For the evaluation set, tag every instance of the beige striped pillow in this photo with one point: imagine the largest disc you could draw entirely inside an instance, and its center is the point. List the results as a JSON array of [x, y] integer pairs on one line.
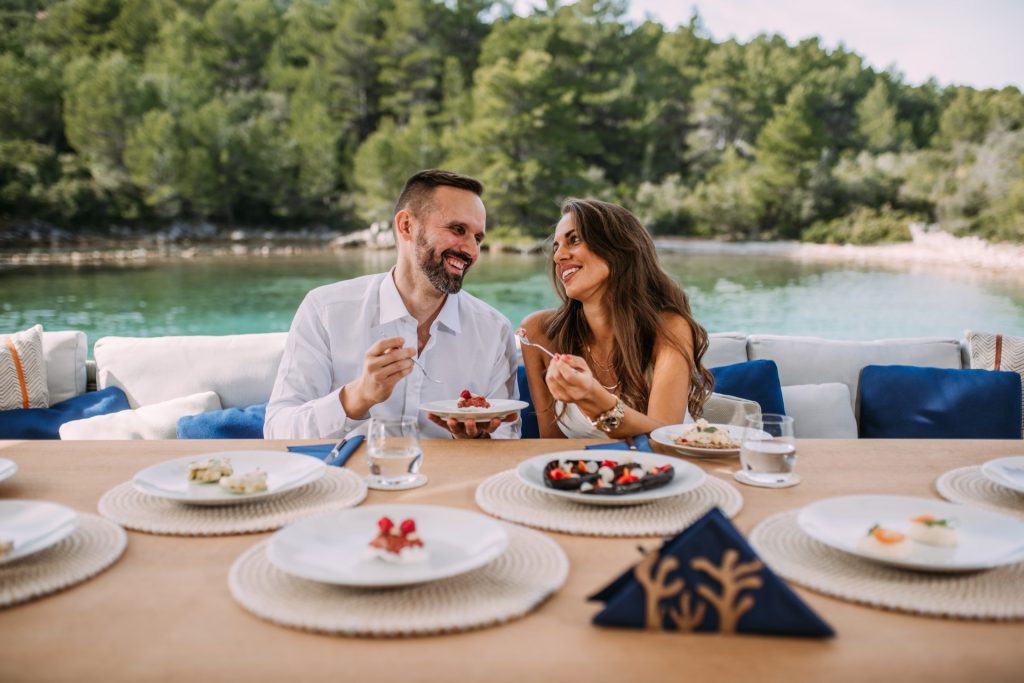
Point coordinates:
[[997, 352], [23, 370]]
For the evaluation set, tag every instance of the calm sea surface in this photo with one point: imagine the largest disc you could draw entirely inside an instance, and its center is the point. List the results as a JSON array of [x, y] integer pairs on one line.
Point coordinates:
[[728, 292]]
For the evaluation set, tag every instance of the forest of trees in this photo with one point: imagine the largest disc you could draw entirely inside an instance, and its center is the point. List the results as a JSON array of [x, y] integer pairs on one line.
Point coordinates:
[[313, 112]]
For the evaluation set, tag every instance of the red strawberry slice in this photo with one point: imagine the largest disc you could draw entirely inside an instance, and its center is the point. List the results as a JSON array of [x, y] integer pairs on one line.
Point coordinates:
[[408, 526], [385, 524], [466, 395]]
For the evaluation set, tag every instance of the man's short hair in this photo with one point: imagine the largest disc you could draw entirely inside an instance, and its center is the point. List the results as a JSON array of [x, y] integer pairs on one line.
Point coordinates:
[[420, 188]]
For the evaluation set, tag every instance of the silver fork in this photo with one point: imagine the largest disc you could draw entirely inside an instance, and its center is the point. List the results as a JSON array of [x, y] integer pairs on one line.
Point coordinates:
[[420, 366], [521, 333]]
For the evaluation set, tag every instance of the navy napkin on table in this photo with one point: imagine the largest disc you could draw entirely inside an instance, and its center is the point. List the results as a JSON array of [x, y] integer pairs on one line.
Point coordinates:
[[641, 443], [707, 578], [322, 450]]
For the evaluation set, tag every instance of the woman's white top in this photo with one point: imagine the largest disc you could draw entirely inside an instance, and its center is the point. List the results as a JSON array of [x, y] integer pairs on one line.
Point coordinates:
[[574, 424]]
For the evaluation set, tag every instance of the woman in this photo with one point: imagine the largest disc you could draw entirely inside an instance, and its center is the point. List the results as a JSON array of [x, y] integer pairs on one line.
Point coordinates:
[[627, 349]]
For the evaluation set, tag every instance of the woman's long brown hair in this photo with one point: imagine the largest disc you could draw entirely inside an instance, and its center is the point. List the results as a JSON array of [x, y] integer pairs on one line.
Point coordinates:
[[640, 292]]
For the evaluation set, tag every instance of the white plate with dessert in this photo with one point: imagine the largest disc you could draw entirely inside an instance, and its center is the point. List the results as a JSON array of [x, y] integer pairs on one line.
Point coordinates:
[[609, 477], [228, 477], [700, 439], [1008, 472], [7, 468], [473, 407], [915, 533], [28, 526], [387, 545]]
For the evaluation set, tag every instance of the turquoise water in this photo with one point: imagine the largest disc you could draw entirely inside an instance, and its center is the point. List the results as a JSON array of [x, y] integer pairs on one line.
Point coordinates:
[[729, 292]]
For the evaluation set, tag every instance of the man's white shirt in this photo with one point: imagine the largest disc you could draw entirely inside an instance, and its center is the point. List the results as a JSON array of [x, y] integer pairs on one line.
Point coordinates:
[[471, 346]]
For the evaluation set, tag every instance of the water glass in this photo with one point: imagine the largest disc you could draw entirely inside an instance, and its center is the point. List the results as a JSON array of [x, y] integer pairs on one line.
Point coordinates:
[[394, 451], [768, 450]]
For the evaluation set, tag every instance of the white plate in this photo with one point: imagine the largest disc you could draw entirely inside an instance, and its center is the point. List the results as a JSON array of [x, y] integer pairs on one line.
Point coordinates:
[[687, 476], [1008, 472], [665, 436], [986, 539], [500, 407], [334, 547], [7, 468], [33, 525], [285, 471]]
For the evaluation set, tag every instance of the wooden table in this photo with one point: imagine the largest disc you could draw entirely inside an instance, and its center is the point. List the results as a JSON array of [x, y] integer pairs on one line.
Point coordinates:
[[163, 611]]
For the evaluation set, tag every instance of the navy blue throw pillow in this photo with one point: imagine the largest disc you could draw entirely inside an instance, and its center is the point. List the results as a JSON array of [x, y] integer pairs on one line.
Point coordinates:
[[44, 423], [530, 428], [231, 423], [754, 380], [908, 402]]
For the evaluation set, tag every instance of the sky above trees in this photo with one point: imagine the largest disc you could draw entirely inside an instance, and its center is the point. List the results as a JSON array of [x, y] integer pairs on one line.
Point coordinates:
[[974, 43]]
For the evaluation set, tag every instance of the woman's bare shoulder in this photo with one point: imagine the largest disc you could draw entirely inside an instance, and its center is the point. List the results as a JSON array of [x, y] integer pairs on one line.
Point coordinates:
[[536, 324], [676, 327]]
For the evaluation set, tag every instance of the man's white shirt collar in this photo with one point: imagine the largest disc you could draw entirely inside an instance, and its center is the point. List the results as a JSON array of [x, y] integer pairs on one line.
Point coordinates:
[[393, 308]]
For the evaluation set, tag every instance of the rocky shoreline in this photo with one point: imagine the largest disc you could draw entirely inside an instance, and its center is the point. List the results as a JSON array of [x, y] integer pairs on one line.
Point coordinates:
[[43, 244]]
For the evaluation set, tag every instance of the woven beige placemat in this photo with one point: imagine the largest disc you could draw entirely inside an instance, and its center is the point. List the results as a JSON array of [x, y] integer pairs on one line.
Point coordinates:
[[791, 553], [92, 547], [969, 486], [338, 488], [517, 582], [504, 496]]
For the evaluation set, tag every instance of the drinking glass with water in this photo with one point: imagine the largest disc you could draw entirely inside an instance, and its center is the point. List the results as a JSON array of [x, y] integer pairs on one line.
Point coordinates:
[[768, 451], [394, 451]]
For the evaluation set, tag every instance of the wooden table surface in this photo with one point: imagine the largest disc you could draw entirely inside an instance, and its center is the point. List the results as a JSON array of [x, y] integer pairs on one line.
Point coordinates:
[[163, 611]]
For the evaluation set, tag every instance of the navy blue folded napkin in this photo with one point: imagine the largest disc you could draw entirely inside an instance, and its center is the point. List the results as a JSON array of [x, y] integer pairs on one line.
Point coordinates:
[[322, 450], [641, 443], [707, 579]]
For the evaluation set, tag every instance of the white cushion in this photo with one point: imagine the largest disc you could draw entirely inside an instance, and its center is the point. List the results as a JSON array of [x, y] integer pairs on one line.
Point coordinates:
[[811, 360], [65, 352], [23, 370], [240, 368], [820, 411], [157, 421], [725, 348]]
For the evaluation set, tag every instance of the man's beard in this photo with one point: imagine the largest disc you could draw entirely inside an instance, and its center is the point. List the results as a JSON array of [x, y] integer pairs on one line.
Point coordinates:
[[433, 266]]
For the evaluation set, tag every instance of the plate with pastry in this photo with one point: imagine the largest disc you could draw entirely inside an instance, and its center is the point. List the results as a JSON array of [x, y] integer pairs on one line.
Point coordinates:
[[28, 526], [915, 533], [228, 477], [471, 406], [700, 439], [609, 477], [387, 545]]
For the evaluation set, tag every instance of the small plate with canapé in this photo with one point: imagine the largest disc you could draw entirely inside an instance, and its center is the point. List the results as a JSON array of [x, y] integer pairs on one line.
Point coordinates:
[[228, 477], [915, 533]]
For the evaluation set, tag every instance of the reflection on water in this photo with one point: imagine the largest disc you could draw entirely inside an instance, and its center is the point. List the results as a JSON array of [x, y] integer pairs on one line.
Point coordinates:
[[729, 292]]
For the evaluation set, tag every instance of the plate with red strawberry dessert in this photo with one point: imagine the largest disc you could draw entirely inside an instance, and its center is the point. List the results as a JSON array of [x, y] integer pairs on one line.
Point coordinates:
[[609, 477], [471, 405], [387, 545]]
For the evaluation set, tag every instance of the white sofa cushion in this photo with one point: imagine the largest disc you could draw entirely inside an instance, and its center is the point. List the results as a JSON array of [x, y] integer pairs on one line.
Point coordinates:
[[240, 368], [820, 411], [156, 421], [23, 370], [725, 348], [65, 352], [811, 360]]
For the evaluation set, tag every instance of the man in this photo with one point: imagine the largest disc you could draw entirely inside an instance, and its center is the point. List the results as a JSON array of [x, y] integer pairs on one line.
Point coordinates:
[[350, 350]]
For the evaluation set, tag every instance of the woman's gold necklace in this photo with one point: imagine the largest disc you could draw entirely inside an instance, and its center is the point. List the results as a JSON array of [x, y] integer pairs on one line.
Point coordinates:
[[605, 368]]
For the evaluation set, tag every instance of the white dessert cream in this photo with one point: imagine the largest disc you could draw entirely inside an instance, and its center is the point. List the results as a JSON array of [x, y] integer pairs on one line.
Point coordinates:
[[931, 530], [885, 543], [209, 471], [249, 482]]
